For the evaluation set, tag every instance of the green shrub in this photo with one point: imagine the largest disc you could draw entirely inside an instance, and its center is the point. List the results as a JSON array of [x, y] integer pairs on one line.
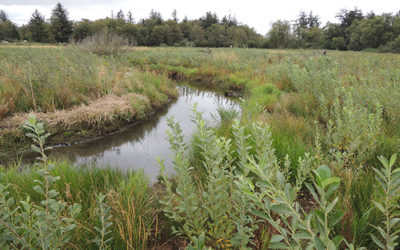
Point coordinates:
[[47, 224], [209, 208], [353, 131], [388, 186]]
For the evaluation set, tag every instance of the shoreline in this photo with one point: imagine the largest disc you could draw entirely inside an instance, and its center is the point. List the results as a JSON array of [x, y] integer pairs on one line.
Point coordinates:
[[11, 131]]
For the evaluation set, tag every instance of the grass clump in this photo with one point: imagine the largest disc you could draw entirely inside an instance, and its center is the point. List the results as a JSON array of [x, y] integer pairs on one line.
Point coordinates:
[[105, 43]]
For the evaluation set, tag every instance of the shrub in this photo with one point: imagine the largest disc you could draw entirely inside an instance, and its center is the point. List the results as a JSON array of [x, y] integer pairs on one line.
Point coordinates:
[[353, 131], [47, 224], [205, 203], [207, 208], [105, 43], [388, 186]]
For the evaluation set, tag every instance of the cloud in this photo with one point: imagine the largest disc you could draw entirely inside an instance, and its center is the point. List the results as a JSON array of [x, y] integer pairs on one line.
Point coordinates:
[[54, 2], [255, 13]]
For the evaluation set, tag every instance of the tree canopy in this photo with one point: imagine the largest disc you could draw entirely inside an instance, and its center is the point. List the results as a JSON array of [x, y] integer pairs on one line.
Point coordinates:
[[353, 31]]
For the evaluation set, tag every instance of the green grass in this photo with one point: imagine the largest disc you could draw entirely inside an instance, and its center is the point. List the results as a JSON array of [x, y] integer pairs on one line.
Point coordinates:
[[133, 202]]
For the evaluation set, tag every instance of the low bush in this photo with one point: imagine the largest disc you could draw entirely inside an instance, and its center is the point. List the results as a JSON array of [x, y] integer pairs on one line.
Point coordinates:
[[105, 43], [240, 185]]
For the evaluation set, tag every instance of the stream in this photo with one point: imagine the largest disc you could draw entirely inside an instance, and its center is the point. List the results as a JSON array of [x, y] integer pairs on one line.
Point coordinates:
[[139, 146]]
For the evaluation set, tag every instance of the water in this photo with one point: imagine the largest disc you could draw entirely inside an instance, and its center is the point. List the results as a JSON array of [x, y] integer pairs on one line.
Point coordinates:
[[139, 146]]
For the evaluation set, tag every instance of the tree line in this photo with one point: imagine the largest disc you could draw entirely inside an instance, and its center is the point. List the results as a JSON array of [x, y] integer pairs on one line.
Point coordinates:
[[354, 31]]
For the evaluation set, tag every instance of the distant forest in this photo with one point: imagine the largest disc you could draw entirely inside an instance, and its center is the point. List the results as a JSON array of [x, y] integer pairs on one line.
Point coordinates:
[[353, 31]]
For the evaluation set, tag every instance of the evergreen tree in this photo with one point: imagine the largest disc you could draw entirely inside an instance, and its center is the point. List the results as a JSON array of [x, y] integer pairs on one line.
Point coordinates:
[[155, 17], [130, 17], [61, 27], [209, 19], [3, 16], [120, 14], [37, 27], [175, 15]]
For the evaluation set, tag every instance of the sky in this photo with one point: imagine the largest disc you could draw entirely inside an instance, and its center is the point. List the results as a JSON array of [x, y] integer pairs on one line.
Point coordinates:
[[255, 13]]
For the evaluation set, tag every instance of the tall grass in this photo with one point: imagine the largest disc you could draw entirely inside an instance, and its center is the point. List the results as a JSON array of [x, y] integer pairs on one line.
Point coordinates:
[[133, 205], [46, 79], [49, 79], [71, 90]]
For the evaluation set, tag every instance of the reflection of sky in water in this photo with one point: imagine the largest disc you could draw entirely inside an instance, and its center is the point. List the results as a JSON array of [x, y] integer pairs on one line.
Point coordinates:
[[139, 146]]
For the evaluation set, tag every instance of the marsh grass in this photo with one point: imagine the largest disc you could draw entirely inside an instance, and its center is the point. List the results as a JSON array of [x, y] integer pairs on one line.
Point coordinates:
[[70, 90], [50, 79], [133, 205]]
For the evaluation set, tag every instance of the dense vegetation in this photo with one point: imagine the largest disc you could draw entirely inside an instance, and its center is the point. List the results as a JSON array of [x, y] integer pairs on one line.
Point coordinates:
[[355, 31], [301, 168], [74, 91]]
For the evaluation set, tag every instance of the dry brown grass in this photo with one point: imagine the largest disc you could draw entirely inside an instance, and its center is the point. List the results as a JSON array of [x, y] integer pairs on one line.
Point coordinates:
[[33, 46], [101, 111], [223, 55]]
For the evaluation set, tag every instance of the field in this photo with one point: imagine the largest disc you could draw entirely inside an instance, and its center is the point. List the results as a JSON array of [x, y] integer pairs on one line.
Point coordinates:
[[311, 163]]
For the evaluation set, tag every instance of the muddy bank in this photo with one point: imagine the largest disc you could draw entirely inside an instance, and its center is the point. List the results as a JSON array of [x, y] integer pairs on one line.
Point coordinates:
[[105, 116]]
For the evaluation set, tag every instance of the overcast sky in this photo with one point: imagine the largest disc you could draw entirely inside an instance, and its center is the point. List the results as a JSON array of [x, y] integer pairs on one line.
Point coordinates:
[[256, 13]]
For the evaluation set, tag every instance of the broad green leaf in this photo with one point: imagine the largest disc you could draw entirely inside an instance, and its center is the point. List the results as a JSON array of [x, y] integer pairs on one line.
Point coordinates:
[[302, 235], [277, 245], [281, 209], [38, 189], [319, 245], [379, 206], [276, 238], [337, 240], [377, 241], [332, 205], [323, 172], [329, 181], [393, 159], [384, 161], [36, 149]]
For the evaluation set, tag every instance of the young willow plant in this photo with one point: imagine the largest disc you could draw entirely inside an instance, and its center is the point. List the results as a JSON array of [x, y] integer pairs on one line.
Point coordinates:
[[352, 130], [37, 133], [205, 202], [276, 205], [44, 225], [388, 179], [104, 214], [207, 209]]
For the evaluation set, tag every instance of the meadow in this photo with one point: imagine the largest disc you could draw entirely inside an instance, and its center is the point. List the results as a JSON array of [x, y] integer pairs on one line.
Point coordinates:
[[310, 164]]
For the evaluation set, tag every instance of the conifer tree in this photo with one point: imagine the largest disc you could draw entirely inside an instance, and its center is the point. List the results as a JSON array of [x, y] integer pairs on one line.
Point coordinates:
[[37, 27], [3, 16], [60, 26]]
